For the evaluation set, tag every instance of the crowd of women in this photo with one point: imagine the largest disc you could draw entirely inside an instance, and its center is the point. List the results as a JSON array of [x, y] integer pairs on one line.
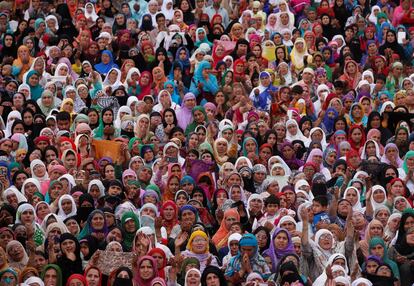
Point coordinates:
[[197, 142]]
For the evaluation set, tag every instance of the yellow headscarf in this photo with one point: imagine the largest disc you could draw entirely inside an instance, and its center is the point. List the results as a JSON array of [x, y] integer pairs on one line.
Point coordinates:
[[194, 235]]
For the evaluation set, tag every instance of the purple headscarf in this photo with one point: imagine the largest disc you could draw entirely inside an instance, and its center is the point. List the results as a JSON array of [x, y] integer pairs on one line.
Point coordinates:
[[277, 254], [384, 158], [184, 114], [70, 70]]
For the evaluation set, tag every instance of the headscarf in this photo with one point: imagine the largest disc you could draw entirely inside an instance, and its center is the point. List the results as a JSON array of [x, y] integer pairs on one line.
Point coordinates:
[[137, 278], [276, 254], [221, 236], [105, 68]]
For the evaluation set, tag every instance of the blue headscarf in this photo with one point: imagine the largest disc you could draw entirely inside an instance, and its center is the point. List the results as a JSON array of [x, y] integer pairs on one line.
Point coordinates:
[[186, 208], [187, 179], [328, 123], [38, 22], [105, 68], [209, 86], [175, 96], [379, 31], [186, 62]]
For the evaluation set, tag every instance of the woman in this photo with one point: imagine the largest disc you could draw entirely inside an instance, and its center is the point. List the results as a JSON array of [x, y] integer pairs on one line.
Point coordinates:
[[236, 272], [403, 250], [222, 234], [26, 214], [106, 64], [16, 255], [378, 248], [95, 225], [70, 262], [299, 52], [169, 213], [146, 270], [204, 85], [199, 118], [280, 245], [198, 247], [23, 62], [351, 75], [213, 274]]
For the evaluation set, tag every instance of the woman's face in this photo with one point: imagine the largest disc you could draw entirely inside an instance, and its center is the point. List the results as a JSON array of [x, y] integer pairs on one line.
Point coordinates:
[[281, 240], [98, 221], [377, 250], [352, 196], [199, 245], [146, 270], [235, 194], [193, 278]]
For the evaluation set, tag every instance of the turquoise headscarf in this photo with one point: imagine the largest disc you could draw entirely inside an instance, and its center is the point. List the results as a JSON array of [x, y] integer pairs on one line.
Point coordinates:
[[203, 41], [38, 22], [378, 240], [35, 91], [244, 146], [410, 154]]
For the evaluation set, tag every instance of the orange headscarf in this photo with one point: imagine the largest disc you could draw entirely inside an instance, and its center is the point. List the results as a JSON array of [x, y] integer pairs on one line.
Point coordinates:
[[24, 67], [221, 236]]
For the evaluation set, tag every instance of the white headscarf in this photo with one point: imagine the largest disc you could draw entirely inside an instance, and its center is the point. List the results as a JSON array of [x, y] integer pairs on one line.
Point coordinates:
[[118, 121], [376, 205], [10, 120], [117, 82], [100, 186], [13, 190], [33, 181], [73, 211], [33, 164], [361, 281], [93, 16], [298, 136], [357, 206]]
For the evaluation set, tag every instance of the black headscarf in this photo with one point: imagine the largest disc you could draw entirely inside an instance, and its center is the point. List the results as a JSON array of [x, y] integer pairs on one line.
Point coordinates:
[[214, 270], [9, 51], [123, 281]]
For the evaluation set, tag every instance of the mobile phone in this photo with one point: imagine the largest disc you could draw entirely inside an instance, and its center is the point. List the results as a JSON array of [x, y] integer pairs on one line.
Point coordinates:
[[172, 160]]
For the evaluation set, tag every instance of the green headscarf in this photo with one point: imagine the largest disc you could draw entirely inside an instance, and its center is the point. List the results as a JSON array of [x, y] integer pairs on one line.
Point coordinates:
[[129, 236], [192, 126], [58, 271], [378, 240]]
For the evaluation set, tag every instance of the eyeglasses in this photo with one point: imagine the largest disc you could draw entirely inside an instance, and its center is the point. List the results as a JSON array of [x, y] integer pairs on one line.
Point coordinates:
[[199, 240]]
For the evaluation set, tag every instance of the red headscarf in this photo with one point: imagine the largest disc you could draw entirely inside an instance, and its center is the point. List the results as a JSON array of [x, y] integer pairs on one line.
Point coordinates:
[[93, 267], [161, 271], [145, 89], [350, 154], [353, 143], [138, 279], [169, 224], [77, 276]]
